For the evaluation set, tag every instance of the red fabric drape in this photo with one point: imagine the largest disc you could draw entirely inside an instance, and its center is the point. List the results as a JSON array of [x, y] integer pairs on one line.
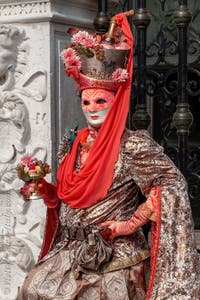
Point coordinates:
[[51, 226], [91, 183]]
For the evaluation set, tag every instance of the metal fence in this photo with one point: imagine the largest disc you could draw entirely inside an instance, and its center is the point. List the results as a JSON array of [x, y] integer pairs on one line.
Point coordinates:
[[166, 85]]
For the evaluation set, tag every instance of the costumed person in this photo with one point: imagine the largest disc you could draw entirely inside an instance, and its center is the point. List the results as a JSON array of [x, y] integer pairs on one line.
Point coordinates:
[[94, 247]]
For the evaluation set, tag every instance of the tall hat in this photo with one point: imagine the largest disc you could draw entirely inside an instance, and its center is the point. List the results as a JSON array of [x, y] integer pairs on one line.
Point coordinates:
[[97, 61]]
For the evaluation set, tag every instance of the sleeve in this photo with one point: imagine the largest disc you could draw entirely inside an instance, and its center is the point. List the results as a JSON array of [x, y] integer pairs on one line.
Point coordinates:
[[173, 248], [48, 192], [149, 165]]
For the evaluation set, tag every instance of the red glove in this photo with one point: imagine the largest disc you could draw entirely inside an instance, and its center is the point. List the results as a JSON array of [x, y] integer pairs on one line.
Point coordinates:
[[145, 212], [48, 193], [125, 227]]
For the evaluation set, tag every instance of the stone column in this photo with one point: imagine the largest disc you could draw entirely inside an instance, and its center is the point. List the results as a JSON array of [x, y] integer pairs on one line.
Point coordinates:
[[37, 102]]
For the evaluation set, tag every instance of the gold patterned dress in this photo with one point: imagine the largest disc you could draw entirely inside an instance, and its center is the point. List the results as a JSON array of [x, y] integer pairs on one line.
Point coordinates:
[[141, 166]]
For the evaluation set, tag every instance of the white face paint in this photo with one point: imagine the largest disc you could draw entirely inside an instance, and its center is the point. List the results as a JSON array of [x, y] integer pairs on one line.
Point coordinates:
[[96, 104], [96, 118]]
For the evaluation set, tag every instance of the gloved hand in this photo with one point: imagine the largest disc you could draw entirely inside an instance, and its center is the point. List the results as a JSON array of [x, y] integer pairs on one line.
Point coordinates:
[[48, 193], [124, 227], [145, 212]]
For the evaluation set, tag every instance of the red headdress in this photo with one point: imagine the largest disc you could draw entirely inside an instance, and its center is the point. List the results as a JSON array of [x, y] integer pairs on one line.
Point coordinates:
[[94, 64]]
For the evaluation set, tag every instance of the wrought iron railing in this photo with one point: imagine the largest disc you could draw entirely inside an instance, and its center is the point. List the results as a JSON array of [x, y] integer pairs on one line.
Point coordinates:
[[166, 83]]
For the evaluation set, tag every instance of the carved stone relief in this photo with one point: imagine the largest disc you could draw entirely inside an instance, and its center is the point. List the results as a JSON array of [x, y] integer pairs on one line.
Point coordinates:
[[18, 83]]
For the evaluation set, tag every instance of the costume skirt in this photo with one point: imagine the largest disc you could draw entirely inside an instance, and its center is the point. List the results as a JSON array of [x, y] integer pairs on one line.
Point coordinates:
[[54, 279]]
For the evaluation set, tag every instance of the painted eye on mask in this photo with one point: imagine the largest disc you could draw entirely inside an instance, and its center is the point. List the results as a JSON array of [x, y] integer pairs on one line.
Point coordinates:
[[101, 101], [98, 101], [86, 102]]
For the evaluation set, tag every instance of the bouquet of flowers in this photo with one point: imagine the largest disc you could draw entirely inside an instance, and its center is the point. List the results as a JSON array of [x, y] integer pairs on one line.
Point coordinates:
[[31, 171]]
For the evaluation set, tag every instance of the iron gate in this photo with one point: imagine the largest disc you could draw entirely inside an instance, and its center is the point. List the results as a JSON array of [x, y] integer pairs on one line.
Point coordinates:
[[166, 86]]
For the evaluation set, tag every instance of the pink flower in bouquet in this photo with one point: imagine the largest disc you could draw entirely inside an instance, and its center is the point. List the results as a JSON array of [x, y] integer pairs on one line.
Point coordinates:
[[26, 160]]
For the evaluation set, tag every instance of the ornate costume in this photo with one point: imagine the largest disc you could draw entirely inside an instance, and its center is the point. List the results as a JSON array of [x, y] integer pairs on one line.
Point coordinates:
[[98, 183]]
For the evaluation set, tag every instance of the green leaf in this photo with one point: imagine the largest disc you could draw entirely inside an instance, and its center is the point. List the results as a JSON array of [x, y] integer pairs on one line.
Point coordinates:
[[84, 51]]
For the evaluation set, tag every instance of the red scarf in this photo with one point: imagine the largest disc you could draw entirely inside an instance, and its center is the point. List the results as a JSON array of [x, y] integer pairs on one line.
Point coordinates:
[[91, 184]]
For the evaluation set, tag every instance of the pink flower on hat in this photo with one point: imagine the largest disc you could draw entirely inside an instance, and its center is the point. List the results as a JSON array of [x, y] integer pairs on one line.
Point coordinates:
[[84, 39], [70, 58], [120, 75]]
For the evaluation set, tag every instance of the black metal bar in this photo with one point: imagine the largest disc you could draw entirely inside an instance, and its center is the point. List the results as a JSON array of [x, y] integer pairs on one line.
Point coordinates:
[[162, 2], [183, 2], [182, 84], [101, 21], [141, 20], [141, 4], [182, 117], [102, 6]]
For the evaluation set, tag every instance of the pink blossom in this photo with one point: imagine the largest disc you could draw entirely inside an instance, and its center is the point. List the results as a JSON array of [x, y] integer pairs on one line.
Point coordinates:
[[120, 75], [70, 58], [83, 38], [78, 37], [26, 159], [68, 53], [89, 43]]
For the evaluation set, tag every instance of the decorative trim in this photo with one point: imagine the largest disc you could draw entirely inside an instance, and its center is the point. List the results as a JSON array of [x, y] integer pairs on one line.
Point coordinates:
[[24, 9], [155, 242], [47, 11]]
